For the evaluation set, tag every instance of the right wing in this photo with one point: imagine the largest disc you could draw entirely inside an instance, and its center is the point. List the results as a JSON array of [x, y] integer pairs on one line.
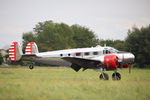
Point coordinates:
[[78, 63]]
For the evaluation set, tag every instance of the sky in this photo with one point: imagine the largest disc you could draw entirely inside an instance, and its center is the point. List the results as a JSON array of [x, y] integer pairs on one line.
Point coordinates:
[[108, 19]]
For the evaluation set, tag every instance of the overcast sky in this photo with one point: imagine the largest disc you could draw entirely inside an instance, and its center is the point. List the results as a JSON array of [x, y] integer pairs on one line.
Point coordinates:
[[109, 19]]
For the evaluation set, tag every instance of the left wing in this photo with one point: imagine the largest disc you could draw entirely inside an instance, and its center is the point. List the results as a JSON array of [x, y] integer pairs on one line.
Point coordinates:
[[78, 63]]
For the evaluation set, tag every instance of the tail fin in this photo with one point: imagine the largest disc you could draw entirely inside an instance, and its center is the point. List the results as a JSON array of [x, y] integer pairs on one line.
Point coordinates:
[[31, 48], [15, 51]]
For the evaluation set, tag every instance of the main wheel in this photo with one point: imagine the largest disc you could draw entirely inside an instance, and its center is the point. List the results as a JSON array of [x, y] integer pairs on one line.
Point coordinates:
[[104, 76], [116, 76], [31, 66]]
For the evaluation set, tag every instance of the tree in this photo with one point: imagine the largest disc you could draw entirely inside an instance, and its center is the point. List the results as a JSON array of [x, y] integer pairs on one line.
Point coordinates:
[[55, 36], [118, 44], [83, 37], [1, 59], [50, 36], [138, 42], [28, 37], [106, 42]]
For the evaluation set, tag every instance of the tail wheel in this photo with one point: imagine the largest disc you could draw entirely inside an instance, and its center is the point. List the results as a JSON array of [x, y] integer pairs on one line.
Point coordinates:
[[104, 76], [116, 76], [31, 66]]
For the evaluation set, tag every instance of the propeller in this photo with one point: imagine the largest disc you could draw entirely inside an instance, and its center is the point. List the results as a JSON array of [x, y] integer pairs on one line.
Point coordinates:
[[129, 68], [117, 61], [130, 64]]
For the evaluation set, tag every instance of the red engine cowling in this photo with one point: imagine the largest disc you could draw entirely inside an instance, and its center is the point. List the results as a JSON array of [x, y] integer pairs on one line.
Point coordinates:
[[110, 61], [125, 65]]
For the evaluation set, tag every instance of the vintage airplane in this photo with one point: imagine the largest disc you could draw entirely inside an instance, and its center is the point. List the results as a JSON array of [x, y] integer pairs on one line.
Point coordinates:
[[97, 58]]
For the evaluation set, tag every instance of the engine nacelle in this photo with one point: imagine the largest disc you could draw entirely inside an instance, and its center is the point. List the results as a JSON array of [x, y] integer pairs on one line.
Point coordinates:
[[125, 65], [110, 61]]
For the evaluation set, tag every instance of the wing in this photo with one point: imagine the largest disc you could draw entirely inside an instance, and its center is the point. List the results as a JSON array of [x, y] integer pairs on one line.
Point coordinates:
[[35, 58], [78, 63]]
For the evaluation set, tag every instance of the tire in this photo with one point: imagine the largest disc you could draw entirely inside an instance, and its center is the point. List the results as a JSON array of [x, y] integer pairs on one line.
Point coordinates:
[[31, 67], [105, 77], [116, 76]]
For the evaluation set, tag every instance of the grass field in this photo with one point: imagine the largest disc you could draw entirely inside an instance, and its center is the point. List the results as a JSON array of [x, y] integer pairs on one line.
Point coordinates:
[[60, 83]]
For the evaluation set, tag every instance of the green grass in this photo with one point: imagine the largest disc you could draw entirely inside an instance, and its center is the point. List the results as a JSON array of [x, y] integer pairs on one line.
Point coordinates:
[[60, 83]]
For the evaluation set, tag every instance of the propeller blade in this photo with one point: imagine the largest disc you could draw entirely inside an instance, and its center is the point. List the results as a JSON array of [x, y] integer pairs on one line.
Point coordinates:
[[117, 61], [129, 68]]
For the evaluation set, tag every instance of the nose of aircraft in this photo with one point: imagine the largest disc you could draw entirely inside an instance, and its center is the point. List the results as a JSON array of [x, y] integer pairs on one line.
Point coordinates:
[[129, 57], [132, 56]]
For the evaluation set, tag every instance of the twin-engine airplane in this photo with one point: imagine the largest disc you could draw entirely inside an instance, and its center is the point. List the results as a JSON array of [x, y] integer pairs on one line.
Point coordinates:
[[97, 58]]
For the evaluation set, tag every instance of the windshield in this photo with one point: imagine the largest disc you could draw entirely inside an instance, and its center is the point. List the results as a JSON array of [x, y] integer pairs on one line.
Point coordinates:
[[112, 50], [109, 50]]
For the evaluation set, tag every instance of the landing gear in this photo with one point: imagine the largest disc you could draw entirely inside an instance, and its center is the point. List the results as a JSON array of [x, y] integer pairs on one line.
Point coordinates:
[[104, 76], [116, 76], [31, 66]]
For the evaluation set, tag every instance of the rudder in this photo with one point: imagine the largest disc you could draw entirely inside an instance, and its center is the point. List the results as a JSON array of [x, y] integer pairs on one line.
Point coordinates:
[[31, 48], [15, 51]]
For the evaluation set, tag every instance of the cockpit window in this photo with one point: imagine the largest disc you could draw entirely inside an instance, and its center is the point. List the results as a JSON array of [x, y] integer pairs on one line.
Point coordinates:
[[109, 50], [106, 52], [112, 50]]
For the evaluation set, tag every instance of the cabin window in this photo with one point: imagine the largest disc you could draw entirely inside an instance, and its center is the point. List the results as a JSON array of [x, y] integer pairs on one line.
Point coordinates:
[[61, 54], [86, 53], [78, 54], [69, 54], [95, 53]]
